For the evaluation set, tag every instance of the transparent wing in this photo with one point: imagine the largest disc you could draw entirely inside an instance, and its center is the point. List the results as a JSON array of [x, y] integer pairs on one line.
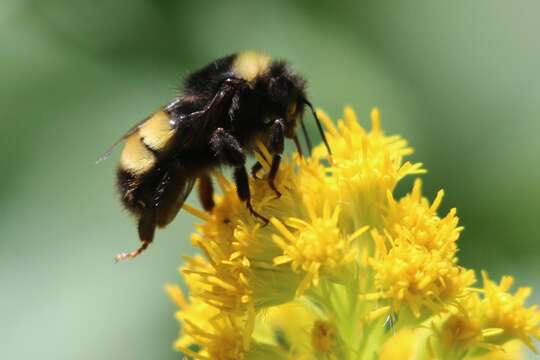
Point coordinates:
[[133, 129]]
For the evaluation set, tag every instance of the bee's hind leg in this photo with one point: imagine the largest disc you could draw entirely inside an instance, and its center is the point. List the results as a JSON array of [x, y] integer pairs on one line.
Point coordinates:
[[205, 191], [146, 228]]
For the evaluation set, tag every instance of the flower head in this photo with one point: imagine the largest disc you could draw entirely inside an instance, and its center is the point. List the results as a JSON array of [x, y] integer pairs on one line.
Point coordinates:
[[415, 221], [315, 246], [344, 269], [506, 311], [415, 259], [365, 166], [487, 319], [208, 333]]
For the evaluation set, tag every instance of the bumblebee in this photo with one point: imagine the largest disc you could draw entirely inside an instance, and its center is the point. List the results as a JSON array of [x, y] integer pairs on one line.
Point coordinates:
[[225, 108]]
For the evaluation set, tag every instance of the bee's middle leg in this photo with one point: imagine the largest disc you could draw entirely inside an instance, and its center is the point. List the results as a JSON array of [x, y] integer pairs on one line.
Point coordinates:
[[228, 149]]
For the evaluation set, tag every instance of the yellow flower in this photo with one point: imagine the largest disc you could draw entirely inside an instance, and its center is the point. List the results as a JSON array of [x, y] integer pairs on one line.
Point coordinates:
[[414, 260], [314, 283], [487, 320], [240, 251], [412, 275], [315, 246], [365, 166], [208, 326], [412, 219], [503, 310], [206, 332]]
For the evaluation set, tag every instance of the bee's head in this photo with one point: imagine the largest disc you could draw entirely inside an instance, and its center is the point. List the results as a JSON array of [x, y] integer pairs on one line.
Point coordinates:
[[287, 94]]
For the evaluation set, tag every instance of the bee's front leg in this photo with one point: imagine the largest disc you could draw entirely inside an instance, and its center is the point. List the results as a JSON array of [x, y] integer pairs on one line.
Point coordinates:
[[255, 170], [276, 144]]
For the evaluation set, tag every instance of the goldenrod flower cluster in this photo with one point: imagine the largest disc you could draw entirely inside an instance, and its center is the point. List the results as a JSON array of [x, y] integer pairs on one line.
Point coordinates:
[[344, 269]]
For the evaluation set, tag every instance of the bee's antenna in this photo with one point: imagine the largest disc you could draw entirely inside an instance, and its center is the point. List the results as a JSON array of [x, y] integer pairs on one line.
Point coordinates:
[[306, 136], [319, 126], [298, 147]]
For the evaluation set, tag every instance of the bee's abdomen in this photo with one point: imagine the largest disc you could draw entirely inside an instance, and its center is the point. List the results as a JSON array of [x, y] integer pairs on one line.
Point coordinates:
[[153, 137], [130, 190], [137, 158], [157, 132]]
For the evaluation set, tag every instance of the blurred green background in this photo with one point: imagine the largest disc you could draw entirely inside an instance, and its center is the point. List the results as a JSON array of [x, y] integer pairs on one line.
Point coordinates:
[[460, 81]]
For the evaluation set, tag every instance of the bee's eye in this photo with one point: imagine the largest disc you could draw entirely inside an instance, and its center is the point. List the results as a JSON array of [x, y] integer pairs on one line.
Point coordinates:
[[278, 89]]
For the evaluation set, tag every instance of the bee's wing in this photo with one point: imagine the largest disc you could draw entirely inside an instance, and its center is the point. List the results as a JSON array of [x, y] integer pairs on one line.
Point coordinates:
[[133, 129]]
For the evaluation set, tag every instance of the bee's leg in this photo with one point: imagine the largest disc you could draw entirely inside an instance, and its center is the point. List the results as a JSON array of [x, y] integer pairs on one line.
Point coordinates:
[[277, 139], [244, 193], [159, 208], [146, 228], [258, 165], [227, 94], [255, 169], [228, 149], [206, 192], [235, 105]]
